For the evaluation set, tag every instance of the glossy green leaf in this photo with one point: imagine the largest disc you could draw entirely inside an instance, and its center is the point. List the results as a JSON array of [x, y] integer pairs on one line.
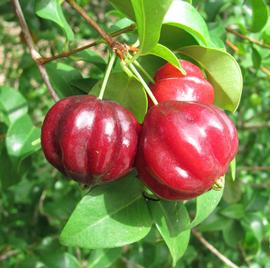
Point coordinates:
[[184, 16], [12, 103], [175, 38], [233, 233], [110, 216], [166, 54], [213, 223], [8, 173], [52, 10], [259, 15], [232, 190], [104, 258], [257, 203], [149, 20], [92, 57], [20, 136], [233, 169], [126, 91], [223, 73], [256, 58], [125, 7], [170, 219], [235, 211], [205, 205], [254, 223], [62, 76]]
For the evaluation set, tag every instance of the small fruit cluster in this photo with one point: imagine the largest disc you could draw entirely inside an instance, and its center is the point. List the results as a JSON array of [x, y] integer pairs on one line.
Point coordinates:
[[183, 147]]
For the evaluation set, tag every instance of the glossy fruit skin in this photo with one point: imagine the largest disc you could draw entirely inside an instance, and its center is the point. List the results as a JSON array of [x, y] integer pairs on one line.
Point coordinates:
[[169, 71], [184, 147], [188, 88], [90, 140]]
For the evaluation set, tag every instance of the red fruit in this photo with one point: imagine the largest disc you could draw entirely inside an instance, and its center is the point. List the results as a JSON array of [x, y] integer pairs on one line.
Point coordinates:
[[90, 140], [184, 147], [188, 88], [169, 71]]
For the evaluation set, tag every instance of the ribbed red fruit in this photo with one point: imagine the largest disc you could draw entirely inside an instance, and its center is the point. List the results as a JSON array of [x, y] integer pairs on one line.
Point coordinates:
[[169, 71], [90, 140], [188, 88], [184, 147]]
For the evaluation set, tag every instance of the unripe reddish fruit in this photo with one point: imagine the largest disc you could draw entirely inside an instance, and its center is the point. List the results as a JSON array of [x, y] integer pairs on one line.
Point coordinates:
[[90, 140], [169, 71], [184, 147], [188, 88]]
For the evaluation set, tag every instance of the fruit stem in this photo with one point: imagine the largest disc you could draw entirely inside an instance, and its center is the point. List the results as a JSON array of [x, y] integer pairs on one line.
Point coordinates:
[[146, 87], [106, 77], [147, 75]]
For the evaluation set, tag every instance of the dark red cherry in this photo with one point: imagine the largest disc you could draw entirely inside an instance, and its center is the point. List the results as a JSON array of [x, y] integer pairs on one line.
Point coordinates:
[[184, 148], [188, 88], [169, 71], [90, 140]]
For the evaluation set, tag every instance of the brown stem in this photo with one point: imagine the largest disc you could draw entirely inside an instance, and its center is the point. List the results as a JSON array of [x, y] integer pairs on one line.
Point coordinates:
[[65, 54], [250, 39], [255, 126], [254, 168], [34, 53], [119, 49], [232, 46], [7, 254], [265, 70], [214, 251]]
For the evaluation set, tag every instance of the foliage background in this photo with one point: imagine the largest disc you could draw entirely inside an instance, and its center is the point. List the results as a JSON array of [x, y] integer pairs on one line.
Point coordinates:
[[36, 200]]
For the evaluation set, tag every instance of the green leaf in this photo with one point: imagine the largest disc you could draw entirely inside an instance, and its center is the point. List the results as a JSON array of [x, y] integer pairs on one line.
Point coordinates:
[[51, 10], [126, 91], [233, 233], [233, 169], [62, 76], [170, 219], [92, 57], [166, 54], [256, 58], [223, 73], [205, 205], [184, 16], [149, 20], [254, 223], [8, 173], [259, 15], [104, 258], [174, 37], [213, 223], [235, 211], [232, 190], [83, 84], [12, 103], [20, 136], [110, 216], [125, 7]]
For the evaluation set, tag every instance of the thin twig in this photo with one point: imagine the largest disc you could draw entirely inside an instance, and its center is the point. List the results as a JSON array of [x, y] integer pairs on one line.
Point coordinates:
[[214, 251], [232, 46], [119, 49], [255, 126], [7, 254], [34, 53], [250, 39], [265, 70], [65, 54], [254, 168]]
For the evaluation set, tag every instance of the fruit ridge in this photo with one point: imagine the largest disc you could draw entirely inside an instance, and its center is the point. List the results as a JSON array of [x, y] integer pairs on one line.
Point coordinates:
[[90, 140], [184, 147]]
